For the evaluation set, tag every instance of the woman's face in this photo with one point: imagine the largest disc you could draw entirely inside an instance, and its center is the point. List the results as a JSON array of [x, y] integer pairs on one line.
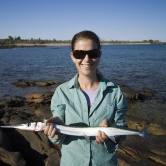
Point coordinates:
[[86, 66]]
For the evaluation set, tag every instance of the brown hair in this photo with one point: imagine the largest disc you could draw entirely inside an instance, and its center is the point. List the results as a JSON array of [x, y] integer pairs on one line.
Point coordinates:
[[85, 35]]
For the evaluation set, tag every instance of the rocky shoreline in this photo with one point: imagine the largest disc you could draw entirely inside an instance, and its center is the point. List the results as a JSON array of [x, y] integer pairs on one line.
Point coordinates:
[[27, 45], [34, 148]]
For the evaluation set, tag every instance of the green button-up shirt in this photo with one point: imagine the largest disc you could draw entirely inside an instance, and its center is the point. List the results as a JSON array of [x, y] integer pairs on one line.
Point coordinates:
[[70, 105]]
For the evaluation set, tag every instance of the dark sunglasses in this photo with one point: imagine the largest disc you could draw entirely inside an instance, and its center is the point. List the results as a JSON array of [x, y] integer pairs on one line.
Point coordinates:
[[80, 54]]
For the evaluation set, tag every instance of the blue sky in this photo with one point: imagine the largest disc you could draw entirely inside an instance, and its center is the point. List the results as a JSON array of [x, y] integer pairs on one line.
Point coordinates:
[[61, 19]]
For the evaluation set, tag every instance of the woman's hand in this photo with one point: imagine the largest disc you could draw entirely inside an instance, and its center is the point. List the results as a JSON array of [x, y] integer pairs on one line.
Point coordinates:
[[101, 137], [50, 130]]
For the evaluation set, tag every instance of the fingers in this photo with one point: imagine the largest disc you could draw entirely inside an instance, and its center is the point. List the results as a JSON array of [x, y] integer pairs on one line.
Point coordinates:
[[101, 137], [49, 128]]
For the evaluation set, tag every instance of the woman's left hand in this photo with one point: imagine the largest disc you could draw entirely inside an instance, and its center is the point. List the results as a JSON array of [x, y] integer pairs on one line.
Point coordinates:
[[101, 137]]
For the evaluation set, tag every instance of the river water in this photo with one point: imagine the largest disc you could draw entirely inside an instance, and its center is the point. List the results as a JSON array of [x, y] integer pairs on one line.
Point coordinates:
[[137, 66]]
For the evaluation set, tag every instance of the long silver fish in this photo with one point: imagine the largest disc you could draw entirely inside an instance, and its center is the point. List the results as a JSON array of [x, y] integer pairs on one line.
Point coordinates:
[[84, 131]]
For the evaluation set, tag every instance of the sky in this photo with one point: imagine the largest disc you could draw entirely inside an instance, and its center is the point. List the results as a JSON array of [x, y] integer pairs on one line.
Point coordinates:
[[133, 20]]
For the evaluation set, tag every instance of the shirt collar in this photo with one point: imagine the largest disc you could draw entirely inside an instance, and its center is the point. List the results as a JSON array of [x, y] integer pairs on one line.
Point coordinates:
[[73, 83]]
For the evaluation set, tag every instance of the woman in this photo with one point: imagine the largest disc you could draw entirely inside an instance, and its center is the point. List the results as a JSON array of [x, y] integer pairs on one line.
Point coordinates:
[[88, 99]]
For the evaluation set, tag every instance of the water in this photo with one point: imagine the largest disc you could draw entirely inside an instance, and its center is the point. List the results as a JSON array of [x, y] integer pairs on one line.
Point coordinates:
[[137, 66]]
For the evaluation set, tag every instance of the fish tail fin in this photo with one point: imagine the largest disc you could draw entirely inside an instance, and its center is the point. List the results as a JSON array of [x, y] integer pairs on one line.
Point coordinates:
[[144, 134]]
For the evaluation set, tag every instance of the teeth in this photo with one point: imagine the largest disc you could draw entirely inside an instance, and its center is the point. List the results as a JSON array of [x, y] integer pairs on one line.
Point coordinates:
[[86, 65]]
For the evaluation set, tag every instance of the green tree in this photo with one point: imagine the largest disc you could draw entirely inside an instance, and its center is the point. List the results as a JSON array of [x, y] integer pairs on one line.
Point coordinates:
[[10, 38], [151, 41]]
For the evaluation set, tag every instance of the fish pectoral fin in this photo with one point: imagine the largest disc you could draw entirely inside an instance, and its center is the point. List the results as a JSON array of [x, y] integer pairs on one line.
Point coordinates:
[[87, 139], [112, 138]]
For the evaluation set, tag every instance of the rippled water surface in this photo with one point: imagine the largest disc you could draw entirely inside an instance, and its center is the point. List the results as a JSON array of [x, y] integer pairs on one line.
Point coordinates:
[[135, 65]]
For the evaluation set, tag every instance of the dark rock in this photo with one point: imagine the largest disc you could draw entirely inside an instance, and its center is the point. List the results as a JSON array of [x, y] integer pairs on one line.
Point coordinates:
[[24, 142], [130, 93], [12, 158], [15, 103], [147, 90], [2, 112], [20, 83], [53, 158], [2, 105], [44, 97], [23, 83], [19, 98], [12, 102], [39, 95], [4, 142], [158, 159], [5, 120], [15, 120], [45, 112], [4, 102], [24, 114]]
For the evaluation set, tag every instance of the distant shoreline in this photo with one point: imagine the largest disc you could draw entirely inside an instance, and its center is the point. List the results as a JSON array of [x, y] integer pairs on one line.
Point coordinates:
[[68, 44], [22, 45]]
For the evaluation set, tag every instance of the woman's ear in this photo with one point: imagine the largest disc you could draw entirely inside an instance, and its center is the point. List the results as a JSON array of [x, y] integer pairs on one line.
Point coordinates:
[[72, 57]]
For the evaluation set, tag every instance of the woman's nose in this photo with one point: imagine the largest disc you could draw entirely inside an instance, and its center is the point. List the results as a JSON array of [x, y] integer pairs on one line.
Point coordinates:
[[87, 57]]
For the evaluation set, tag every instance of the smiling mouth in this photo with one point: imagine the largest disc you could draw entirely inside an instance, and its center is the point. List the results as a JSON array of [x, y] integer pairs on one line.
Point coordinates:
[[86, 66]]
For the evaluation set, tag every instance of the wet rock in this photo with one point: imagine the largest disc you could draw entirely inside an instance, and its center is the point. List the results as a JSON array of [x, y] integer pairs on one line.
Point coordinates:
[[54, 87], [130, 94], [21, 83], [12, 158], [19, 98], [39, 97], [149, 92], [44, 112], [42, 83]]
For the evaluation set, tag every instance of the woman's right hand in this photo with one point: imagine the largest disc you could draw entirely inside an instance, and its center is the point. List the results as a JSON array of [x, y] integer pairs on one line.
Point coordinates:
[[49, 129]]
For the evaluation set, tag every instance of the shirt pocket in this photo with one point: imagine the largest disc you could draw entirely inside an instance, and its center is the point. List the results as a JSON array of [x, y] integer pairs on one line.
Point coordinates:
[[105, 111], [73, 114]]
